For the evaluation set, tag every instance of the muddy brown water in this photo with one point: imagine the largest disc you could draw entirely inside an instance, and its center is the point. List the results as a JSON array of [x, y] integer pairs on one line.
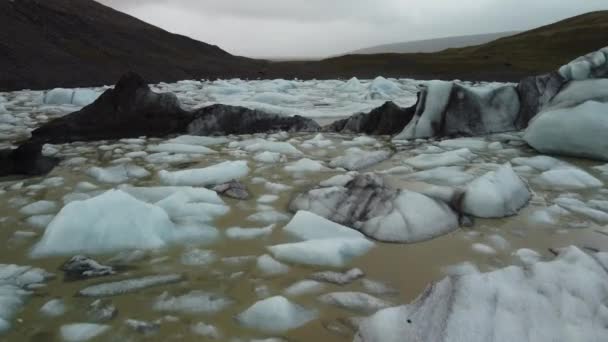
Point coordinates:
[[407, 268]]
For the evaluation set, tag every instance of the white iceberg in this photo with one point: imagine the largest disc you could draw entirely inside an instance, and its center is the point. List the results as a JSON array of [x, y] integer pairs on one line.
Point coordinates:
[[212, 175], [275, 315]]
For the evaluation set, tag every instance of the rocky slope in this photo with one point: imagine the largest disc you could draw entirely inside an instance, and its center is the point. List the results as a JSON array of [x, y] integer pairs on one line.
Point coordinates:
[[46, 44]]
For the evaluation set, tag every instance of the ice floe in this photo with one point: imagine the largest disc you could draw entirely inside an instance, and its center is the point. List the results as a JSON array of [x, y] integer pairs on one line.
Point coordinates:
[[275, 315], [546, 301], [212, 175]]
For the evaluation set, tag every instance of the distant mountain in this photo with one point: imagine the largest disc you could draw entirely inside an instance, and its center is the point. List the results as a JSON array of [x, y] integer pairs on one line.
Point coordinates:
[[51, 43], [434, 45], [506, 59]]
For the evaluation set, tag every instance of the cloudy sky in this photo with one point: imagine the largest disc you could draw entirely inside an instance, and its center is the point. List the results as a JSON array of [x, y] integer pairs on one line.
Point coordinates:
[[314, 28]]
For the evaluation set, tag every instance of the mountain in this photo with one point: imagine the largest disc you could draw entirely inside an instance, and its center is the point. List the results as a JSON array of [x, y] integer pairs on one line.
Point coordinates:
[[52, 43], [434, 45], [70, 43], [507, 59]]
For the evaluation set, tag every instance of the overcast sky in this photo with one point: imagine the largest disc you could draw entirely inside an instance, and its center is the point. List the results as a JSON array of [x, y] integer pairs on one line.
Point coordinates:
[[314, 28]]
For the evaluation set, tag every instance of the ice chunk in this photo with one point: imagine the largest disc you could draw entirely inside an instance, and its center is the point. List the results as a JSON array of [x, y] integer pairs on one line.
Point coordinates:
[[483, 249], [546, 301], [130, 285], [238, 233], [273, 146], [309, 226], [212, 175], [470, 143], [437, 99], [357, 159], [337, 252], [198, 140], [78, 332], [496, 194], [194, 302], [304, 287], [354, 301], [338, 278], [180, 148], [339, 180], [40, 221], [566, 179], [527, 256], [111, 221], [581, 208], [267, 199], [198, 257], [306, 165], [430, 161], [571, 131], [269, 266], [381, 88], [275, 315], [541, 163], [448, 175], [117, 174], [206, 330], [77, 97], [14, 282], [53, 308], [270, 157], [39, 208]]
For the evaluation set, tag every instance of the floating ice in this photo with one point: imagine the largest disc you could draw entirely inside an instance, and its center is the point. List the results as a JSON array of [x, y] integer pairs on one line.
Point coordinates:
[[304, 287], [206, 330], [571, 131], [198, 257], [474, 144], [338, 278], [496, 194], [77, 97], [14, 283], [78, 332], [354, 301], [430, 161], [306, 165], [270, 157], [198, 140], [541, 163], [117, 174], [194, 302], [356, 159], [275, 315], [309, 226], [238, 233], [212, 175], [39, 208], [87, 226], [566, 179], [269, 266], [579, 207], [273, 146], [53, 308], [447, 175], [129, 285], [547, 301], [180, 148], [337, 252]]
